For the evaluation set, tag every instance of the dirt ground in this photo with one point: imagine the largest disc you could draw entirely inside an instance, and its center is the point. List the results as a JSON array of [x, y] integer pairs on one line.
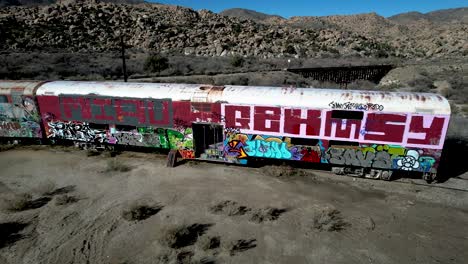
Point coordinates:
[[61, 205]]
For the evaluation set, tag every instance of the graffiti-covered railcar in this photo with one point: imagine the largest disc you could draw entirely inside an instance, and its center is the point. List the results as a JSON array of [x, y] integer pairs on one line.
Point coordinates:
[[367, 132], [19, 115]]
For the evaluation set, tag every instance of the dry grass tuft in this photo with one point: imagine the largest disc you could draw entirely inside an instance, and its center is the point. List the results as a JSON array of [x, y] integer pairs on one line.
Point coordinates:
[[138, 212], [183, 235], [266, 214], [114, 165], [230, 208], [209, 242], [283, 171], [22, 202], [45, 187], [65, 199], [329, 220], [237, 246]]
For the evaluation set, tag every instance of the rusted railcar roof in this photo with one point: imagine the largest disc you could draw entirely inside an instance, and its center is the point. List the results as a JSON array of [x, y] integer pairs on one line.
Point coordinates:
[[404, 102], [27, 87]]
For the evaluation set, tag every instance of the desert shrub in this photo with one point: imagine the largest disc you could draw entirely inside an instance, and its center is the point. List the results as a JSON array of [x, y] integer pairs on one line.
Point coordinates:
[[421, 84], [237, 61], [230, 208], [266, 214], [237, 246], [117, 165], [329, 220], [182, 235], [22, 202], [138, 211], [209, 242], [65, 199], [16, 202], [45, 187], [156, 63], [290, 50], [283, 171]]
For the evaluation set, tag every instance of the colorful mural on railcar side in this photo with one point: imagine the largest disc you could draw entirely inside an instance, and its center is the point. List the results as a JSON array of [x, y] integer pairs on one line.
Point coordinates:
[[406, 141], [158, 123], [20, 118], [139, 136], [238, 147]]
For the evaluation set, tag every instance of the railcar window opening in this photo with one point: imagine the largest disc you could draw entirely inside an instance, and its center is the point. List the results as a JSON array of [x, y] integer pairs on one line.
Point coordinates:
[[99, 126], [304, 141], [343, 114], [343, 143], [124, 128], [201, 106], [3, 99]]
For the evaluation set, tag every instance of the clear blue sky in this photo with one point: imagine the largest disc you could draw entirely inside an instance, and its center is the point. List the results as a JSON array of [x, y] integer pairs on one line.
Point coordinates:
[[288, 8]]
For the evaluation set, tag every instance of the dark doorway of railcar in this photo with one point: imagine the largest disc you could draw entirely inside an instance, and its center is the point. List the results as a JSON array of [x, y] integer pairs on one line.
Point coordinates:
[[208, 140]]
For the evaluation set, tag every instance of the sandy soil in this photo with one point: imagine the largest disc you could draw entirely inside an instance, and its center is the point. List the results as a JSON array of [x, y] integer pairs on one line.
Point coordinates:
[[90, 209]]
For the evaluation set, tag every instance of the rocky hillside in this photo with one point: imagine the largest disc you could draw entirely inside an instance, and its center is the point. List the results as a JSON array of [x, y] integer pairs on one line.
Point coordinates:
[[248, 14], [439, 16], [4, 3], [86, 26]]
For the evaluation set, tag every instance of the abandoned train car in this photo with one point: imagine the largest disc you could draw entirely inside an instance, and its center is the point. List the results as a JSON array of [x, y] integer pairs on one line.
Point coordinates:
[[19, 115], [371, 133]]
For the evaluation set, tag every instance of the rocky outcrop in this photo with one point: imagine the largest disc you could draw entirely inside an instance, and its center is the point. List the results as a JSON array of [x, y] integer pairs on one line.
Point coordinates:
[[91, 26]]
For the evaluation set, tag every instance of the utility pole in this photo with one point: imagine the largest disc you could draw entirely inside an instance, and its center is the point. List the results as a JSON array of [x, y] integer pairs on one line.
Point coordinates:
[[124, 66]]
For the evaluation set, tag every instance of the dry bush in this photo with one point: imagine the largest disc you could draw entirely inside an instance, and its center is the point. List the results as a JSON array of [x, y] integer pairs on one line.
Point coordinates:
[[209, 242], [139, 211], [65, 199], [166, 256], [22, 202], [117, 165], [329, 220], [266, 214], [237, 246], [16, 202], [283, 171], [230, 208], [45, 188], [182, 235]]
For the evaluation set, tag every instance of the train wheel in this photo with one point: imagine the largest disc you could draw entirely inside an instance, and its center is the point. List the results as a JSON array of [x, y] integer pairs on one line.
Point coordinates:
[[110, 148], [172, 158], [429, 177], [338, 170], [386, 175]]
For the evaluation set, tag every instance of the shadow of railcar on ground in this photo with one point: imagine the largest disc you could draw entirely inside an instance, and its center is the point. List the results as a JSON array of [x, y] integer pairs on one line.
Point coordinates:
[[454, 160]]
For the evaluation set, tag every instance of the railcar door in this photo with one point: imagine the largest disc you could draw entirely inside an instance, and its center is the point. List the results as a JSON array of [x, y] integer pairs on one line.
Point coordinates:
[[208, 140]]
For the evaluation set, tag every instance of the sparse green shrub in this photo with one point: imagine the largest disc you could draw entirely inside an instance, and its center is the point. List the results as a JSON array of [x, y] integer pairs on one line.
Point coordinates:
[[237, 61], [156, 63]]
